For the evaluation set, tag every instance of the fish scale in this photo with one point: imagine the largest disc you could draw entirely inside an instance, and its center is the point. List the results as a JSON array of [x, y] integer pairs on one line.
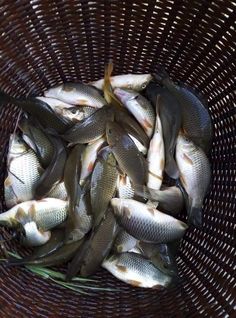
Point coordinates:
[[134, 269]]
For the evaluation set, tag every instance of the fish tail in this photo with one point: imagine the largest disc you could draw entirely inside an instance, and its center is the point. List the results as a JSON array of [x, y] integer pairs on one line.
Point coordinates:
[[161, 74], [107, 88], [171, 168], [195, 216]]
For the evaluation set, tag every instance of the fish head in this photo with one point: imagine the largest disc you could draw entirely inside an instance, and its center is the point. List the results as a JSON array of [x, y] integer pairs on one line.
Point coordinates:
[[120, 208], [141, 82], [124, 94], [17, 145]]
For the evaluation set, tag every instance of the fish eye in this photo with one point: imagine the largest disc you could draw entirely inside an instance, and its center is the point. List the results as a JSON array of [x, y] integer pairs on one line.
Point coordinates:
[[144, 85]]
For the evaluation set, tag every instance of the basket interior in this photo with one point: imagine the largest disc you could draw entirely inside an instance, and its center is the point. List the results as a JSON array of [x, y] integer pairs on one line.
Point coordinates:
[[43, 43]]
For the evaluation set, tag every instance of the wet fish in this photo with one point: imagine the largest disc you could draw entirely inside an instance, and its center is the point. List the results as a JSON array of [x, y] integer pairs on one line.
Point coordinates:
[[130, 160], [196, 120], [40, 111], [100, 245], [77, 94], [161, 256], [103, 184], [46, 213], [146, 223], [135, 82], [24, 170], [53, 174], [195, 176], [91, 128], [37, 140], [124, 242], [62, 255], [89, 157], [156, 155], [140, 108], [170, 199], [9, 196], [170, 116], [137, 271]]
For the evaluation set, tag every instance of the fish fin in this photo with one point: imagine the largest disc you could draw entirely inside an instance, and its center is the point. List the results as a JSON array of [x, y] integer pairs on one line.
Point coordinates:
[[32, 212], [161, 74], [107, 88], [21, 216], [171, 168], [195, 216], [7, 182]]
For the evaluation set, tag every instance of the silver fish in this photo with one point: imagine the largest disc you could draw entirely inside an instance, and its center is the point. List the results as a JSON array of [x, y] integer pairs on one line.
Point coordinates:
[[136, 82], [195, 176], [137, 271], [146, 223], [124, 187], [59, 192], [24, 170], [77, 94], [46, 213]]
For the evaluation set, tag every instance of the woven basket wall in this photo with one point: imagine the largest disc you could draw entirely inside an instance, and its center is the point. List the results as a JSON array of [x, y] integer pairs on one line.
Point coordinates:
[[43, 43]]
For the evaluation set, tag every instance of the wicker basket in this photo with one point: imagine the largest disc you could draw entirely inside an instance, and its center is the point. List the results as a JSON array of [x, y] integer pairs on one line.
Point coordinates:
[[43, 43]]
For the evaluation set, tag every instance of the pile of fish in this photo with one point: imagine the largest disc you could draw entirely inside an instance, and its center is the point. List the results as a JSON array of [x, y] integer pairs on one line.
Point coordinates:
[[98, 173]]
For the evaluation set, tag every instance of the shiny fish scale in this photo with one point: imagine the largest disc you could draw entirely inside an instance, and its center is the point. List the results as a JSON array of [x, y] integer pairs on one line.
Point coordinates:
[[134, 269], [124, 188], [50, 217], [82, 215], [26, 167]]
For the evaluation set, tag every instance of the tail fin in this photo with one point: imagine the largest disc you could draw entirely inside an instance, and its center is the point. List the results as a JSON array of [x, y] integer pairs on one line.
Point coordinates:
[[107, 88], [171, 168], [195, 216], [161, 74]]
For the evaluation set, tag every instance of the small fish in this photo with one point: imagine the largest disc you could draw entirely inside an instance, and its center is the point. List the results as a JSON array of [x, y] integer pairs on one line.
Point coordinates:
[[195, 176], [46, 213], [100, 245], [77, 94], [140, 108], [135, 82], [37, 140], [89, 157], [39, 110], [170, 116], [24, 170], [170, 200], [130, 160], [72, 175], [156, 155], [161, 256], [137, 271], [59, 192], [124, 188], [91, 128], [62, 255], [124, 242], [103, 184], [145, 223], [53, 174], [196, 120]]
